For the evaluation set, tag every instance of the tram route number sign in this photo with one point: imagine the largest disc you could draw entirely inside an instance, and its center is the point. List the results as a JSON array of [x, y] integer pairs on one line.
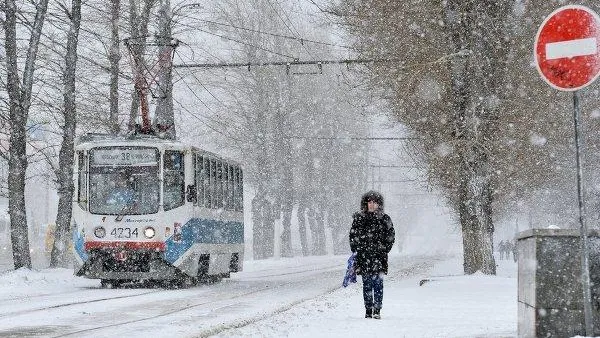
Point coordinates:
[[123, 156], [566, 48]]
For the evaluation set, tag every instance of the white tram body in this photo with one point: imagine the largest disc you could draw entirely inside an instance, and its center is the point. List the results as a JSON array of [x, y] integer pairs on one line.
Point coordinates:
[[181, 214]]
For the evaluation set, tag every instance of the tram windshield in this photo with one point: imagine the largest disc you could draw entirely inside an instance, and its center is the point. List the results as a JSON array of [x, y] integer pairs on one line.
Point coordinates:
[[124, 181]]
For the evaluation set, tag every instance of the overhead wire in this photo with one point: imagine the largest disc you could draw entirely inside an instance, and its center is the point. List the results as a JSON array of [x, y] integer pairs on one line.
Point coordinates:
[[211, 33], [326, 13], [202, 84], [207, 107], [217, 130], [288, 27], [202, 101], [300, 39], [248, 44]]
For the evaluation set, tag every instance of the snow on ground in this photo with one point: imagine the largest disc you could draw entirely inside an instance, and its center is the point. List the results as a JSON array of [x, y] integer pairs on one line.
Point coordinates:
[[448, 305]]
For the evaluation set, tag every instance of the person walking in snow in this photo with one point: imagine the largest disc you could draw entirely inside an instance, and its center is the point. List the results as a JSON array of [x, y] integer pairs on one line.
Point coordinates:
[[371, 238], [514, 252], [501, 249], [508, 248]]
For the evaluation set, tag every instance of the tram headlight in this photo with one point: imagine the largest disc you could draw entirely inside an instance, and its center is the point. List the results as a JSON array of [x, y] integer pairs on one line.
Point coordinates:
[[100, 232], [149, 232]]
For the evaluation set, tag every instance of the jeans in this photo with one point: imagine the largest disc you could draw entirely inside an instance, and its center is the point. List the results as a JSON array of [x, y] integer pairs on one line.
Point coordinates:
[[373, 291]]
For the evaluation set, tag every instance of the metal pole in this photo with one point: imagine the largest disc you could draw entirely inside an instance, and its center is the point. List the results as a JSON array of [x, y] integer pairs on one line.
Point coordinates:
[[379, 176], [585, 271], [372, 177]]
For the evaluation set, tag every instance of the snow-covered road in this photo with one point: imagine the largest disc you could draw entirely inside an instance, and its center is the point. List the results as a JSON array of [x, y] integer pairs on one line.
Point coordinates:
[[55, 304]]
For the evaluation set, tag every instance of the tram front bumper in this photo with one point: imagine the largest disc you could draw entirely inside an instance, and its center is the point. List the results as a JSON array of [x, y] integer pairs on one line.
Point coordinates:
[[127, 264]]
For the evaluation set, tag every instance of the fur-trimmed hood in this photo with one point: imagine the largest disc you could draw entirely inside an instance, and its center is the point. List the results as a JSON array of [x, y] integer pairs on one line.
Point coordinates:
[[371, 196]]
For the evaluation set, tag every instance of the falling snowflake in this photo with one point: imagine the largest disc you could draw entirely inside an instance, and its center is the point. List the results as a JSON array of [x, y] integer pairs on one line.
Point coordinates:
[[537, 139]]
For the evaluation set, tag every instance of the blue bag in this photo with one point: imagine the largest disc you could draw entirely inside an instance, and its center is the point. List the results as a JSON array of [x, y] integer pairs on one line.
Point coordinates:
[[350, 276]]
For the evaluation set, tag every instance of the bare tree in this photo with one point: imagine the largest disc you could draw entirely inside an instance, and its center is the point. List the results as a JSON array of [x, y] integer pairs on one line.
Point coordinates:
[[274, 116], [164, 115], [138, 23], [66, 155], [114, 56], [450, 94], [476, 83], [19, 103]]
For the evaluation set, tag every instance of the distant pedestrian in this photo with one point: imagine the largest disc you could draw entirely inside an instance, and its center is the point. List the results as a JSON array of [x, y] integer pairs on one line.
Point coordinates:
[[508, 249], [371, 238], [514, 252], [501, 249]]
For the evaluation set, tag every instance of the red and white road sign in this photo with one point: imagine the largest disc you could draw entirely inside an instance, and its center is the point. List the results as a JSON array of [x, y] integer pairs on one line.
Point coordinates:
[[566, 49]]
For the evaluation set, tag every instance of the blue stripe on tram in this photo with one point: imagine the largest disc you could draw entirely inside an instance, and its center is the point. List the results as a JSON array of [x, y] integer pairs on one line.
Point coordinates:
[[205, 231], [78, 244]]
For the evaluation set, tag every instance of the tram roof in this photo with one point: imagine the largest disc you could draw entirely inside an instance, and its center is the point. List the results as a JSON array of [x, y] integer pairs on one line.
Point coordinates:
[[91, 140], [108, 139]]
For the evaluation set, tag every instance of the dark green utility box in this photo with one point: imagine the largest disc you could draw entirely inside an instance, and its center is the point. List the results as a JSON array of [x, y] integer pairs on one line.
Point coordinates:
[[550, 293]]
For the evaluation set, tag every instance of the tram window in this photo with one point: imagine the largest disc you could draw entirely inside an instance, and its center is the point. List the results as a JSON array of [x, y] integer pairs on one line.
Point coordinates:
[[205, 181], [200, 179], [241, 198], [219, 193], [196, 172], [239, 193], [212, 185], [81, 181], [225, 185], [231, 183], [236, 190], [173, 178]]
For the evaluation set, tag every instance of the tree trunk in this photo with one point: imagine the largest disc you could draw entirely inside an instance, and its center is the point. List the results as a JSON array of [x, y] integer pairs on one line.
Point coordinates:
[[257, 228], [469, 232], [286, 187], [475, 80], [19, 103], [164, 116], [17, 165], [319, 248], [60, 247], [139, 31], [263, 228], [286, 234], [488, 265], [114, 56], [301, 215]]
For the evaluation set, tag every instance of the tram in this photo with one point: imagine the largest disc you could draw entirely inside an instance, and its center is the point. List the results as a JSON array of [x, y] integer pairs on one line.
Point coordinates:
[[147, 208]]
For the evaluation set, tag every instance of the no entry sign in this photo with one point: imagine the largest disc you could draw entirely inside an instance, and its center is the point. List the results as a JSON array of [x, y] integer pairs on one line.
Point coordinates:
[[566, 48]]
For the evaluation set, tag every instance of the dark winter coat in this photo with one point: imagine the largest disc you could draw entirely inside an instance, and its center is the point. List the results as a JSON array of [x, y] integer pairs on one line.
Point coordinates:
[[371, 237]]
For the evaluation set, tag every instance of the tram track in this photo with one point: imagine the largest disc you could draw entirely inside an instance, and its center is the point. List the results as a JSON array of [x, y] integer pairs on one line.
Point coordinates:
[[330, 267], [415, 268], [411, 270], [29, 297], [21, 312], [204, 311], [171, 312], [405, 272], [228, 301], [96, 300]]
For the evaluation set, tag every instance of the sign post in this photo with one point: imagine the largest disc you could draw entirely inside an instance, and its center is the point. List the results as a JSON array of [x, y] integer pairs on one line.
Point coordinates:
[[566, 51]]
